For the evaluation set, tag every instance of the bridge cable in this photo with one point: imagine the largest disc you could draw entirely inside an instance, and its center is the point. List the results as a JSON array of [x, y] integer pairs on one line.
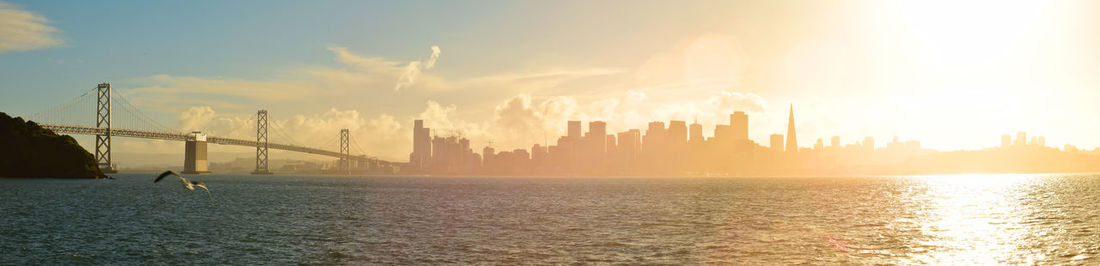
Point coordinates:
[[139, 116], [58, 114], [282, 132]]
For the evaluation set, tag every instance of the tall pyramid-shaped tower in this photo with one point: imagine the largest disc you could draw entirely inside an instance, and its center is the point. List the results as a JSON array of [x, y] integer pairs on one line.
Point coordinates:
[[792, 141]]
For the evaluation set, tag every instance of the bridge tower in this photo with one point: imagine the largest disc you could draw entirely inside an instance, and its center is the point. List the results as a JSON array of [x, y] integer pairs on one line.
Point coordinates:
[[261, 143], [103, 120], [194, 154], [345, 152]]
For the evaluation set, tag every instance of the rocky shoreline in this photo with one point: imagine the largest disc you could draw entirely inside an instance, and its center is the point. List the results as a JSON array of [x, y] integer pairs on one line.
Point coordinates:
[[29, 151]]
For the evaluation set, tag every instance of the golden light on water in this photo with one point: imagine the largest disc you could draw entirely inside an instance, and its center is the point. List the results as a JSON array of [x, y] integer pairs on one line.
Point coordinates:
[[975, 220]]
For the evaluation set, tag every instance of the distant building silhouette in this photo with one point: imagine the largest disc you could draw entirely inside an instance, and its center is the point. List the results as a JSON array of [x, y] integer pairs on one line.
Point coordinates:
[[422, 145], [777, 142], [1039, 141], [695, 132], [654, 137], [835, 142], [792, 141], [739, 123], [574, 129], [597, 135], [723, 132], [1021, 138], [677, 132], [869, 143], [1006, 140]]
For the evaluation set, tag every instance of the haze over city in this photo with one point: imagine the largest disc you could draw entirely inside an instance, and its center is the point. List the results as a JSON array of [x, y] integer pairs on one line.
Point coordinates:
[[511, 74], [638, 132]]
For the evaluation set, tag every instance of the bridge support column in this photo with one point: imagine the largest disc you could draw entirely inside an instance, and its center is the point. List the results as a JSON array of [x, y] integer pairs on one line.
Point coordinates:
[[103, 120], [194, 158], [345, 151], [261, 143]]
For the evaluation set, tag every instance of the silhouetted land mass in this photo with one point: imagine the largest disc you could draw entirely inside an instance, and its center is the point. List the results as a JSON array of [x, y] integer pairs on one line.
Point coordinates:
[[30, 151]]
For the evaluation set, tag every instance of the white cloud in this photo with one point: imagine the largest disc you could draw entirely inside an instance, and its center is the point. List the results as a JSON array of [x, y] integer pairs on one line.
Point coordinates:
[[22, 30], [444, 121], [375, 65], [409, 76], [380, 135], [435, 56], [727, 102], [413, 69], [196, 118]]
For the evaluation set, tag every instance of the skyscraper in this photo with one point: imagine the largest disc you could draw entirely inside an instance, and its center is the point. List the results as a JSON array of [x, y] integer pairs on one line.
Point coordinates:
[[422, 144], [1021, 138], [739, 121], [695, 132], [777, 142], [722, 132], [792, 142], [654, 136], [610, 144], [677, 132], [836, 141], [630, 141], [597, 136], [574, 129]]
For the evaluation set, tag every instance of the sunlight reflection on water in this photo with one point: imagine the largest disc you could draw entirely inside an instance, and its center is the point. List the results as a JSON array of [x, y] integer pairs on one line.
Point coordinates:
[[976, 219], [952, 219]]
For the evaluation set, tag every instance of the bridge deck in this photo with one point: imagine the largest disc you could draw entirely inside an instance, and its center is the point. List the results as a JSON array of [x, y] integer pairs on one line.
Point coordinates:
[[67, 129]]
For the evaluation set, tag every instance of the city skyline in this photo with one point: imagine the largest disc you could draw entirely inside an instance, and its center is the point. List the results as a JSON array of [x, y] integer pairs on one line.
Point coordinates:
[[679, 149], [858, 68]]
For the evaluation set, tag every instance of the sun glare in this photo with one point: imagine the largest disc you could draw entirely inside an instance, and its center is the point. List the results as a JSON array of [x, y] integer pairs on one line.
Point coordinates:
[[713, 58], [974, 219]]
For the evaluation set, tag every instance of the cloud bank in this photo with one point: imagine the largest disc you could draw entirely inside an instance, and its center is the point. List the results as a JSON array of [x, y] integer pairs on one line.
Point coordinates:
[[22, 30]]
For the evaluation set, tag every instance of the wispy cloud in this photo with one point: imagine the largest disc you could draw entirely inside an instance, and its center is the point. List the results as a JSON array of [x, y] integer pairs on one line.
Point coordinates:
[[435, 56], [413, 69], [22, 30]]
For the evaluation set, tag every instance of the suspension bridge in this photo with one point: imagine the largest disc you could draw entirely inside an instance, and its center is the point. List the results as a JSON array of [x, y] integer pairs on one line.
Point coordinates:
[[117, 117]]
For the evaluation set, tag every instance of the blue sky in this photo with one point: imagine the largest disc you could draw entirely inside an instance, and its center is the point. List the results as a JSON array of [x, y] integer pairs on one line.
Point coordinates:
[[510, 72]]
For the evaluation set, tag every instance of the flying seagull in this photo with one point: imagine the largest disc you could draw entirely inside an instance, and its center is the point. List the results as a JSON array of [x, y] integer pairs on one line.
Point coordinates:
[[188, 184]]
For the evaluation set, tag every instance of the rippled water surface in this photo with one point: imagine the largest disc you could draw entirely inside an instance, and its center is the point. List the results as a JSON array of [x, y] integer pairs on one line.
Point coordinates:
[[999, 219]]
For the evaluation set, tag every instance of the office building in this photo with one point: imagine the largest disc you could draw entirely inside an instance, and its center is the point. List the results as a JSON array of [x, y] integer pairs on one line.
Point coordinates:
[[574, 129], [777, 142], [422, 145], [695, 133], [739, 123]]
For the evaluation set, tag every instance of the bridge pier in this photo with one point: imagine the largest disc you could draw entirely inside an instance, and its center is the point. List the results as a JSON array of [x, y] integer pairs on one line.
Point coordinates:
[[103, 120], [345, 152], [261, 143], [194, 158]]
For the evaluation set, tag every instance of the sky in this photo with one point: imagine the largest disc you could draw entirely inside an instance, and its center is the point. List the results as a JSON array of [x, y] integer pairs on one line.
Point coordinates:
[[952, 74]]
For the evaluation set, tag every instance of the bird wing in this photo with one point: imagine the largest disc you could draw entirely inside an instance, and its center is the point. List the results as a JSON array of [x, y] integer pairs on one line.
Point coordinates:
[[203, 186], [166, 173], [200, 184]]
